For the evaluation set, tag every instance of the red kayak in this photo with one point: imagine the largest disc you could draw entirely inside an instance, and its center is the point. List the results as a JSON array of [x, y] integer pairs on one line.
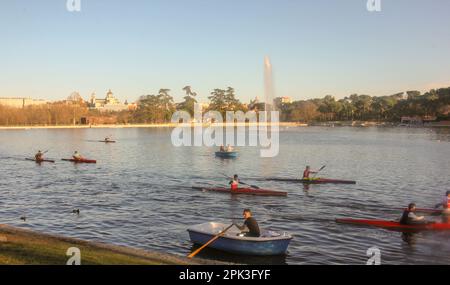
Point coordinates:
[[245, 191], [312, 180], [81, 160], [40, 161], [393, 225]]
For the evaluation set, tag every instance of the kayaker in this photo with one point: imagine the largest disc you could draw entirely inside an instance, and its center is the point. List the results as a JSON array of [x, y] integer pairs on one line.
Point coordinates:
[[39, 156], [250, 228], [445, 202], [107, 139], [307, 172], [234, 183], [77, 156], [409, 216]]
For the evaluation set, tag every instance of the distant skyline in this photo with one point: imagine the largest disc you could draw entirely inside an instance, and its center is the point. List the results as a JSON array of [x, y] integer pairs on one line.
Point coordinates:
[[136, 47]]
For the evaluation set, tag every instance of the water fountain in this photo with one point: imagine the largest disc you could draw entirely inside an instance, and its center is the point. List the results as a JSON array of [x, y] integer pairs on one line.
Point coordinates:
[[268, 86]]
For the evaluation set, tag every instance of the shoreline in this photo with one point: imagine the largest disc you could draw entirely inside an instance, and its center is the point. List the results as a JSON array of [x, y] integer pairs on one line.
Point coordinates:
[[20, 246], [167, 125], [355, 124]]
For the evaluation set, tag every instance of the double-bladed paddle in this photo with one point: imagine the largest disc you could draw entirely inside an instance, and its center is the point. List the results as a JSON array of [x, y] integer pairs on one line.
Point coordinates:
[[253, 186], [317, 172]]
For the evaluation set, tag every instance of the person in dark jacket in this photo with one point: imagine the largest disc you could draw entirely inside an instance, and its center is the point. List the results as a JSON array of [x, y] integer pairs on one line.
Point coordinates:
[[250, 228]]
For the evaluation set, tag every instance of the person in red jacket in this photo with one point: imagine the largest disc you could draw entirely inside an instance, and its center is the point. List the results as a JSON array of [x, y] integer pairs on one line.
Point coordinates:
[[234, 183], [307, 172]]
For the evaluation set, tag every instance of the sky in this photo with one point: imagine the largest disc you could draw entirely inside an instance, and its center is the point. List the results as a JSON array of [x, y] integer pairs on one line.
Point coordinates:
[[136, 47]]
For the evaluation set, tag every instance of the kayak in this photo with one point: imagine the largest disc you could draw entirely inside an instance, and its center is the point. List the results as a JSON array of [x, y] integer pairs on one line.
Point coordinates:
[[41, 160], [269, 243], [245, 191], [107, 141], [394, 225], [226, 154], [312, 180], [80, 160]]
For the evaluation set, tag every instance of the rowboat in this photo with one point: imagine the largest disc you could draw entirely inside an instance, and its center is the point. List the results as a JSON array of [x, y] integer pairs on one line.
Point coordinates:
[[80, 160], [311, 180], [40, 161], [269, 243], [227, 154], [245, 191], [395, 225]]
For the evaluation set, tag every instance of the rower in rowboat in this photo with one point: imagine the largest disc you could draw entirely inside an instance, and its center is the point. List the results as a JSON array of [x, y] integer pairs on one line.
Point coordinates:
[[250, 228]]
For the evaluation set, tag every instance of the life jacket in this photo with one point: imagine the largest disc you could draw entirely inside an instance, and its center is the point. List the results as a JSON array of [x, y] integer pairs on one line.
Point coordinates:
[[405, 217], [306, 174], [446, 205], [234, 185]]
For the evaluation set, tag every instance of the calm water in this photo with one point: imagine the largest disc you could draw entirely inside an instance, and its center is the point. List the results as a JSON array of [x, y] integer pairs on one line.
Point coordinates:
[[139, 193]]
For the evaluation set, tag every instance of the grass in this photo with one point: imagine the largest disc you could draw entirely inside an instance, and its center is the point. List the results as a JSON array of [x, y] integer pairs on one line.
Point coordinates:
[[18, 246]]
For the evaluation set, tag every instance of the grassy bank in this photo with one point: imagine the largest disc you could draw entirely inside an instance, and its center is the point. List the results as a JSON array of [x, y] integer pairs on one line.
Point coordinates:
[[19, 246]]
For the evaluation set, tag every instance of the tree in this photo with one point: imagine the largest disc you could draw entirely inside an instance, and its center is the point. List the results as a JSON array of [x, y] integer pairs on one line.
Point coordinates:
[[189, 101], [224, 100]]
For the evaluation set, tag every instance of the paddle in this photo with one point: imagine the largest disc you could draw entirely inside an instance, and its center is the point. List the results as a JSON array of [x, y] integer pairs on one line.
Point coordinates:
[[319, 171], [253, 186], [210, 241]]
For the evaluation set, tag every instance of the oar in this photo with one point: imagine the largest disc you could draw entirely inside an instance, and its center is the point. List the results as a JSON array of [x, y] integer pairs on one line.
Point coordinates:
[[210, 241], [319, 171], [253, 186]]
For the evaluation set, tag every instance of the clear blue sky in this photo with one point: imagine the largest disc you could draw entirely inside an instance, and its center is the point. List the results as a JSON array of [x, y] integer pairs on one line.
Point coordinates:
[[317, 47]]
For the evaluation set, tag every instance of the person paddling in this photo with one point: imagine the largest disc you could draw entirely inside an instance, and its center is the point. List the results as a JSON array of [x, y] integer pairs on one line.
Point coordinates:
[[39, 156], [234, 183], [77, 156], [409, 216], [250, 228], [445, 203], [307, 172]]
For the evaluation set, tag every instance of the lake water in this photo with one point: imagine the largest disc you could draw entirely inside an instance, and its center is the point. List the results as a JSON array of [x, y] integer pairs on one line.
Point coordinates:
[[139, 193]]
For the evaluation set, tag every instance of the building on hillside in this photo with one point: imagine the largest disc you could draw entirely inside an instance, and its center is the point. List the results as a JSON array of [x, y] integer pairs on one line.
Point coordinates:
[[21, 102], [109, 104], [282, 100]]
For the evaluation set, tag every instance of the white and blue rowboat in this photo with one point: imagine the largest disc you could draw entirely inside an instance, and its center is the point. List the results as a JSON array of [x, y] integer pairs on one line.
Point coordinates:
[[227, 154], [269, 243]]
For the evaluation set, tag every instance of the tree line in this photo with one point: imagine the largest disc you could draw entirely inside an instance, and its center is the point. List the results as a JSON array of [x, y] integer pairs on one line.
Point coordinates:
[[158, 108], [435, 103]]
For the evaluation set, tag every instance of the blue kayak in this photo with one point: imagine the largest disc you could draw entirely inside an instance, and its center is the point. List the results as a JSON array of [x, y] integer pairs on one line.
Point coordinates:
[[269, 243], [227, 154]]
